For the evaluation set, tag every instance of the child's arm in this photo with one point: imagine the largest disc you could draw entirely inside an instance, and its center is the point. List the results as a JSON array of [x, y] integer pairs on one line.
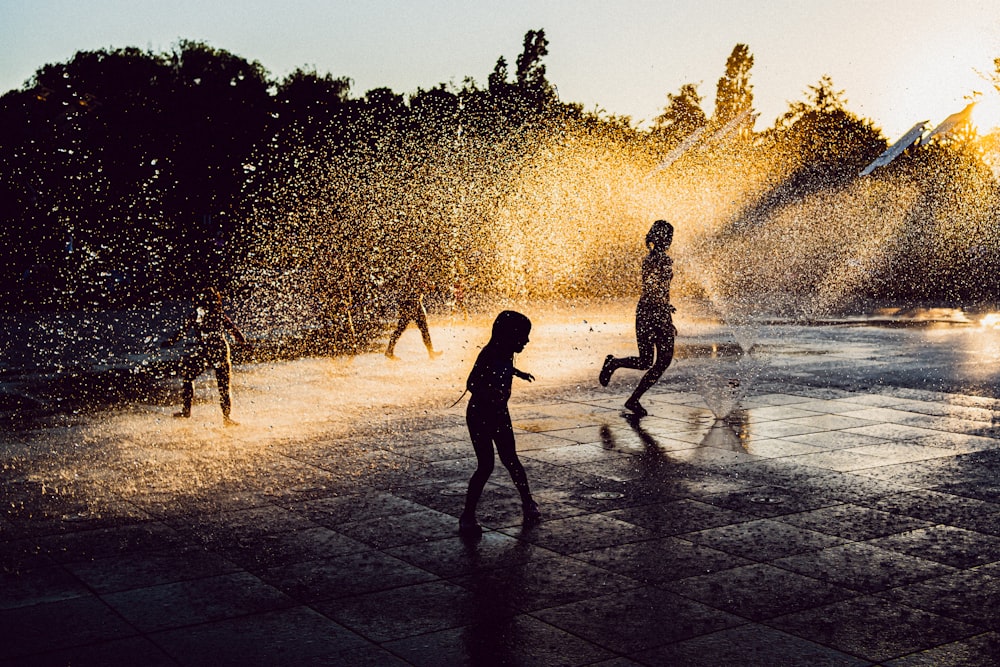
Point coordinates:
[[524, 376]]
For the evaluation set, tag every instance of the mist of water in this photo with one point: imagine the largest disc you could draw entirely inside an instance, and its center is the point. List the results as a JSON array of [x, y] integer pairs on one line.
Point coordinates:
[[554, 216]]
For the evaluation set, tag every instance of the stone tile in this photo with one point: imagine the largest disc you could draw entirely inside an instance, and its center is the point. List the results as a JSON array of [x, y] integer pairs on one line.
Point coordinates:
[[890, 430], [255, 553], [581, 533], [971, 596], [853, 487], [680, 516], [527, 442], [862, 567], [768, 501], [36, 586], [841, 460], [441, 451], [853, 522], [782, 429], [141, 570], [663, 559], [835, 439], [114, 653], [196, 601], [104, 542], [491, 640], [832, 406], [977, 488], [341, 576], [958, 443], [873, 400], [543, 582], [19, 555], [51, 626], [946, 508], [336, 510], [776, 399], [251, 523], [945, 544], [397, 529], [749, 645], [742, 515], [779, 413], [295, 636], [405, 611], [763, 539], [874, 629], [972, 652], [571, 454], [758, 591], [778, 447], [637, 619], [454, 557], [891, 415], [830, 422], [900, 452]]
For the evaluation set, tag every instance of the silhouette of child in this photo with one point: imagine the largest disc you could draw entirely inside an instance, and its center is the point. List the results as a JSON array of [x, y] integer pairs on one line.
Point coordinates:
[[207, 325], [654, 327], [488, 418], [411, 309]]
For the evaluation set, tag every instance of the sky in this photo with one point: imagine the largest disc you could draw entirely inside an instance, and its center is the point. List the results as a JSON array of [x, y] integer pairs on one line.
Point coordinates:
[[898, 61]]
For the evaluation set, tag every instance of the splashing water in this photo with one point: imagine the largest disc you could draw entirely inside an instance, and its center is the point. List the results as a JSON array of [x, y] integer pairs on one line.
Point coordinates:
[[556, 214]]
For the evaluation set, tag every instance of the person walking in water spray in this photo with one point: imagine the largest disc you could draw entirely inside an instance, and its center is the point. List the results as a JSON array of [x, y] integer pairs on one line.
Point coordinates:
[[411, 309], [488, 417], [654, 327], [207, 326]]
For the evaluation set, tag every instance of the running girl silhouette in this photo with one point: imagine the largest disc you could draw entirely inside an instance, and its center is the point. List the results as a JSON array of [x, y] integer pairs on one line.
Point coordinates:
[[654, 327]]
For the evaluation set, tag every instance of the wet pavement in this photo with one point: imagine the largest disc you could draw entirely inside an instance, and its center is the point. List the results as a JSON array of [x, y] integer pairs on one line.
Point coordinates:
[[843, 515]]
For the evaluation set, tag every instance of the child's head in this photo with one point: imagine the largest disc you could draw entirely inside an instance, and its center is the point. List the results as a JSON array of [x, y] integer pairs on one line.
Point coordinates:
[[511, 329], [660, 235]]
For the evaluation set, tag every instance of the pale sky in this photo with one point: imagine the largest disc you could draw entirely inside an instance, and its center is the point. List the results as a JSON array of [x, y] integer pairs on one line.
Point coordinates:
[[898, 61]]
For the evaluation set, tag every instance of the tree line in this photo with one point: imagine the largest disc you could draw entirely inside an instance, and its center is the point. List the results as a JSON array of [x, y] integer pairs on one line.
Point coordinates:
[[128, 176]]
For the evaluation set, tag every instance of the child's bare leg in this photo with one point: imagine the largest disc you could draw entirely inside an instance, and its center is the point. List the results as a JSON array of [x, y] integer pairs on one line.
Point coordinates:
[[187, 393], [404, 321], [482, 443], [508, 456], [425, 332], [664, 356], [225, 399]]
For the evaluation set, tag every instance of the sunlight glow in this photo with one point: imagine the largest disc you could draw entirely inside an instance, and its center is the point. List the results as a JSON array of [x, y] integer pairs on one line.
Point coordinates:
[[986, 114]]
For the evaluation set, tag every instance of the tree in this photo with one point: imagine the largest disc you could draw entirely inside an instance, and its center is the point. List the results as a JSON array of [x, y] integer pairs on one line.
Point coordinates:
[[682, 116], [823, 137], [530, 74], [311, 104], [733, 93]]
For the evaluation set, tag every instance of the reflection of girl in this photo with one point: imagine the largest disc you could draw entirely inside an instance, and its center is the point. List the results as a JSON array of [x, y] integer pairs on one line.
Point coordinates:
[[208, 326], [488, 418], [654, 327]]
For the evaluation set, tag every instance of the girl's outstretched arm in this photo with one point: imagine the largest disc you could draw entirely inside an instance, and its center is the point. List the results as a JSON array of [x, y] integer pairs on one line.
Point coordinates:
[[524, 376]]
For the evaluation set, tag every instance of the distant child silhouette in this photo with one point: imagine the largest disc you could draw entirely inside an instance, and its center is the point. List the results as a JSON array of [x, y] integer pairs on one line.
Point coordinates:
[[654, 327], [411, 309], [488, 418], [207, 326]]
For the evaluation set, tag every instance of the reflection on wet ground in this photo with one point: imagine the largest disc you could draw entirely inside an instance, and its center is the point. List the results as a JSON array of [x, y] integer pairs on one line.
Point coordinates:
[[845, 511]]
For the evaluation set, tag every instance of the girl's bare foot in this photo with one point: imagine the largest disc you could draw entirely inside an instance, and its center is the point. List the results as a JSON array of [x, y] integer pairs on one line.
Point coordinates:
[[637, 409]]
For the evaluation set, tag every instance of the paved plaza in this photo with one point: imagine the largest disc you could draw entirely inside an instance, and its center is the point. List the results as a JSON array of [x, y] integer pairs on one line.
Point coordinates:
[[831, 520]]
